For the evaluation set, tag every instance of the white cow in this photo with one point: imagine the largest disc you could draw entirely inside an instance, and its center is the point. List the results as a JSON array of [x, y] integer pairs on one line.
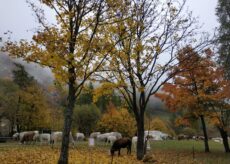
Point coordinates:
[[44, 137], [103, 137], [116, 134], [111, 139], [80, 136], [57, 137], [218, 139], [156, 135], [94, 134]]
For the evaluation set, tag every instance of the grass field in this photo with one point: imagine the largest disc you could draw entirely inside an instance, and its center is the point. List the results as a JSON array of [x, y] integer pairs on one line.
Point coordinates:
[[170, 152]]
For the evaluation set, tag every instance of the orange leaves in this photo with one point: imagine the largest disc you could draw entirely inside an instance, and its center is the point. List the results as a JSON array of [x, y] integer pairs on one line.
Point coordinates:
[[182, 121], [199, 86]]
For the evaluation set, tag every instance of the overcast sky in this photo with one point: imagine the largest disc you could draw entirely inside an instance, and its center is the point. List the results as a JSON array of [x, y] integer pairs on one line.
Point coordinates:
[[16, 16]]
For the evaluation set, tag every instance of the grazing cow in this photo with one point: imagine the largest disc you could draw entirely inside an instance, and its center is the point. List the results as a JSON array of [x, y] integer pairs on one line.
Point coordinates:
[[94, 134], [121, 143], [103, 137], [80, 136]]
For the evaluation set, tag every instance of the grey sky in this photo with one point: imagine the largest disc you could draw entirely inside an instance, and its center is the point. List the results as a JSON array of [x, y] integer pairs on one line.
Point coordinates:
[[16, 16]]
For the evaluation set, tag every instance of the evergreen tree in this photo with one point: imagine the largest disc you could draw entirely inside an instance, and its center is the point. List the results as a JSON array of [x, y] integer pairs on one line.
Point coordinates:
[[223, 13], [21, 77]]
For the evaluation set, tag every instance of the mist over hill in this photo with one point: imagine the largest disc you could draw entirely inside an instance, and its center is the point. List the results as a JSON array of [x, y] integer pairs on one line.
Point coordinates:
[[42, 75]]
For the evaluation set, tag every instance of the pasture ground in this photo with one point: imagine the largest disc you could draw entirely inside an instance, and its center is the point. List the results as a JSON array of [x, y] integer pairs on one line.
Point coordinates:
[[168, 152]]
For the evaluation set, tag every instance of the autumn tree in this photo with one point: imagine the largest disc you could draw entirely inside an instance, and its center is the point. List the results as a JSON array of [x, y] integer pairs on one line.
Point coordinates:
[[138, 66], [73, 48], [199, 84], [187, 88]]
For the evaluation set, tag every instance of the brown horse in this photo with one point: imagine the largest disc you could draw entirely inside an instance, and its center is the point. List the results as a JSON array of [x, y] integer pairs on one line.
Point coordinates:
[[121, 143]]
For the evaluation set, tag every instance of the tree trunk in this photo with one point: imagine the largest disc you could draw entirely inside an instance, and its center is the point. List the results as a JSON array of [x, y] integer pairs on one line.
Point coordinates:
[[205, 134], [16, 115], [140, 139], [224, 136], [63, 159]]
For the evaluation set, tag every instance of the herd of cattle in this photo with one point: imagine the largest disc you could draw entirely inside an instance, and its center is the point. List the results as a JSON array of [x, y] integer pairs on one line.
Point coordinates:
[[56, 137]]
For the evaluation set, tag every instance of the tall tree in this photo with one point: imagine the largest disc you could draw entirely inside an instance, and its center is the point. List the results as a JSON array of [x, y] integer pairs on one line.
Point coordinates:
[[73, 49], [139, 63], [199, 89], [188, 87], [223, 13]]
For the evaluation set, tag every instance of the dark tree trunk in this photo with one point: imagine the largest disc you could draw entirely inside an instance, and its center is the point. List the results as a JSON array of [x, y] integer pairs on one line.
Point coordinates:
[[16, 115], [63, 159], [224, 136], [205, 134], [140, 135]]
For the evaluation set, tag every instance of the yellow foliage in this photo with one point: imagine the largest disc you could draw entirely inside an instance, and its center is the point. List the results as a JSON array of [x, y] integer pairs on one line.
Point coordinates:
[[33, 109], [119, 120], [161, 125], [105, 89], [47, 155]]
